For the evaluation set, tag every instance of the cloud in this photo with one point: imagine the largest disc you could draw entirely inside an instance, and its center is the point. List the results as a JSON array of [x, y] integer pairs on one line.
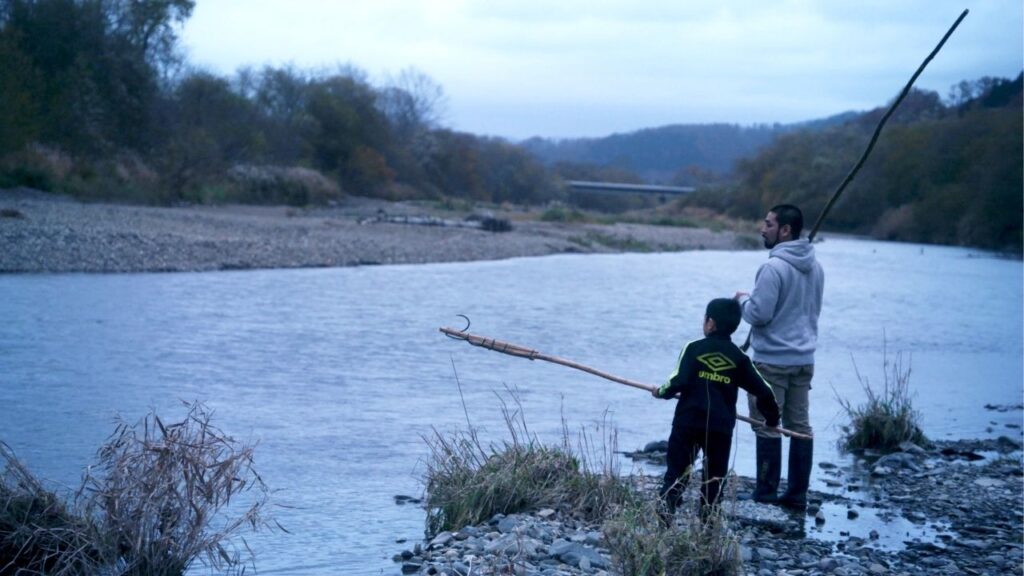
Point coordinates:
[[575, 67]]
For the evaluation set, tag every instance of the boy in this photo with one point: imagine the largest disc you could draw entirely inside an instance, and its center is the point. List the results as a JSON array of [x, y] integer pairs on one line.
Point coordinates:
[[706, 380]]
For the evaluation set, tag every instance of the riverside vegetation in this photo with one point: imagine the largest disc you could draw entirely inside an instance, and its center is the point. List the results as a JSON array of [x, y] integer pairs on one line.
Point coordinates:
[[519, 507], [155, 503], [100, 103], [468, 484]]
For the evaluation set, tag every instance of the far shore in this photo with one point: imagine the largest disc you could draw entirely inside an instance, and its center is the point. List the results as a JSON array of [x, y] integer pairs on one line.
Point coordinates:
[[49, 233]]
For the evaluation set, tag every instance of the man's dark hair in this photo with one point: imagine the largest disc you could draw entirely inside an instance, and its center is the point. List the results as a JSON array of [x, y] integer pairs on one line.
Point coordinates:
[[726, 314], [791, 215]]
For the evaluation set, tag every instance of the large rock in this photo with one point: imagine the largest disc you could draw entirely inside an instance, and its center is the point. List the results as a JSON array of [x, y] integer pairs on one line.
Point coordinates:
[[572, 553]]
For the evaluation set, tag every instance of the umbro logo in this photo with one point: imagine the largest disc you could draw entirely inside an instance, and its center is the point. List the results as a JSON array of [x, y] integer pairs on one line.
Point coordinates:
[[716, 361]]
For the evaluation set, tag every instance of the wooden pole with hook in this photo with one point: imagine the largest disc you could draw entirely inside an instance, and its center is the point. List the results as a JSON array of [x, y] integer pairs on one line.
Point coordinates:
[[528, 353]]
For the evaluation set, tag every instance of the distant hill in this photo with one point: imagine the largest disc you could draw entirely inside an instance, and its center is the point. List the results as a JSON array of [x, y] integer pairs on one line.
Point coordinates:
[[658, 154]]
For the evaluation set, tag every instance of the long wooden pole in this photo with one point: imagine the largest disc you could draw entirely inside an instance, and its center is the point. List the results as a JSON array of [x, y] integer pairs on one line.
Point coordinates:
[[878, 129], [529, 353]]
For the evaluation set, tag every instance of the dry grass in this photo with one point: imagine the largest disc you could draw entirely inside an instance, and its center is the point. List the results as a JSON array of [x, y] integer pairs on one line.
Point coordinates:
[[642, 545], [156, 502], [885, 419], [294, 186], [467, 483]]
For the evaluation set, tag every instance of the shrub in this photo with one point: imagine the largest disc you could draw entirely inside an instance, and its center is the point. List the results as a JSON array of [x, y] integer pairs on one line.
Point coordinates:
[[467, 483], [294, 186], [36, 166], [154, 504], [642, 545], [559, 213], [885, 420], [38, 534]]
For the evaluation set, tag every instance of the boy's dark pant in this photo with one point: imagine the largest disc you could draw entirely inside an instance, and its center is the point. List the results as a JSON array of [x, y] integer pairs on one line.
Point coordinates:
[[683, 445]]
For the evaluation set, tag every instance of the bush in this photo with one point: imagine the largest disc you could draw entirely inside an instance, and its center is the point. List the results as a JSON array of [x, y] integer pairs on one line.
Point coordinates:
[[642, 545], [293, 186], [38, 167], [559, 213], [467, 484], [38, 535], [885, 420], [154, 504]]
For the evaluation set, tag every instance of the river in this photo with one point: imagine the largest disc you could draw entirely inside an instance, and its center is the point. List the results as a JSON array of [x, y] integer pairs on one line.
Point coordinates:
[[338, 374]]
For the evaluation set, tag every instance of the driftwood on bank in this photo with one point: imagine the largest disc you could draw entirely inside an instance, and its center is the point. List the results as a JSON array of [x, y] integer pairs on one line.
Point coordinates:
[[530, 354], [486, 223]]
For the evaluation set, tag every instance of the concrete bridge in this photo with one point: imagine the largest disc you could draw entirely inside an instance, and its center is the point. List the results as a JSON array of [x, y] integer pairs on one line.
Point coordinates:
[[615, 188]]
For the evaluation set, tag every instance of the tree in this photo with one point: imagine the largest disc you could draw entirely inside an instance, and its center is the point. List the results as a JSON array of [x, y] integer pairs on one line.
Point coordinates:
[[97, 62]]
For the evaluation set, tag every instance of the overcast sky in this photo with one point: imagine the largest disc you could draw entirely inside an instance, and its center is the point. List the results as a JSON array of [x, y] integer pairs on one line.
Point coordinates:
[[571, 68]]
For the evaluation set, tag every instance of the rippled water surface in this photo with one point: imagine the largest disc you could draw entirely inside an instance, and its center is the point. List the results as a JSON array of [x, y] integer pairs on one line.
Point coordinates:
[[337, 373]]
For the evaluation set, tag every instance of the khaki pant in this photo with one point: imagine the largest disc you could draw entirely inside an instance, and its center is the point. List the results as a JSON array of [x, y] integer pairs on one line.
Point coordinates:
[[792, 386]]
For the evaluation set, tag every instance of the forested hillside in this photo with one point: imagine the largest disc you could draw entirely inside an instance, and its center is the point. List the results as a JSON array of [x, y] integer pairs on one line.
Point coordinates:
[[97, 102], [948, 173], [684, 154]]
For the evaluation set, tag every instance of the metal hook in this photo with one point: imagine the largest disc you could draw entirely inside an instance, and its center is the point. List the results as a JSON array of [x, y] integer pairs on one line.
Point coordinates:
[[463, 331]]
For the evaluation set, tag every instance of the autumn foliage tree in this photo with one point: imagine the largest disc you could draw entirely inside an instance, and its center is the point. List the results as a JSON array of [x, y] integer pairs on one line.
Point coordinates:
[[948, 174]]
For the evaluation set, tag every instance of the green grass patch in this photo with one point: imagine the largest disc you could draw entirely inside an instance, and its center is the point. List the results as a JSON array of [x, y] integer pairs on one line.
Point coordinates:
[[563, 214]]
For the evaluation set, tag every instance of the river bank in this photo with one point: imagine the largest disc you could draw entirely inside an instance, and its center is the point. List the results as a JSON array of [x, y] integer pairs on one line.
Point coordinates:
[[47, 233], [954, 508]]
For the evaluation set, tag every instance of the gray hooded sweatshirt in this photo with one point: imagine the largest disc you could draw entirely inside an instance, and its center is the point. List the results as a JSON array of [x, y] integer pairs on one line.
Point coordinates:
[[783, 309]]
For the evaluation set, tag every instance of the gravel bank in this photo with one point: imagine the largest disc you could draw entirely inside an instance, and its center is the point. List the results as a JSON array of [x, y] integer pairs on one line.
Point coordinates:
[[45, 233], [953, 509]]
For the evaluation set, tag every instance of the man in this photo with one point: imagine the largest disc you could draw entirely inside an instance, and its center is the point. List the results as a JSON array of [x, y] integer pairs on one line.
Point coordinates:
[[783, 314]]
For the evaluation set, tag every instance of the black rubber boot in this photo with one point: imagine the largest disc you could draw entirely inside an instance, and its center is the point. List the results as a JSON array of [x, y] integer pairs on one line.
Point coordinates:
[[769, 467], [801, 456]]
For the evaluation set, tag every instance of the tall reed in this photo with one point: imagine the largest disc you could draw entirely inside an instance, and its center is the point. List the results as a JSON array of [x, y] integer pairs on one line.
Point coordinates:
[[157, 501], [468, 482], [643, 544], [887, 418]]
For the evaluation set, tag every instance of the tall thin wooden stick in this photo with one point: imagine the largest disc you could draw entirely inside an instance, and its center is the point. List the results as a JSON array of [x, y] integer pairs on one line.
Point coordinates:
[[523, 352], [878, 129]]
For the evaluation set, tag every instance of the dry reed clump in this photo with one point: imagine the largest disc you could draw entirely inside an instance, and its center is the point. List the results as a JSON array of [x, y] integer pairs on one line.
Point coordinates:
[[885, 420], [295, 186], [38, 534], [156, 502], [641, 544], [468, 483], [36, 166]]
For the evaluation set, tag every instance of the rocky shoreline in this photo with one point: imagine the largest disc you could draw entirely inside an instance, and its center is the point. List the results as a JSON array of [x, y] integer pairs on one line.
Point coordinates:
[[954, 508], [48, 233]]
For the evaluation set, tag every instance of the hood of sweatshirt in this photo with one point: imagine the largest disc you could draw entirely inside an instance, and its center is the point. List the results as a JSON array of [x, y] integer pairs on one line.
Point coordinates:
[[798, 253]]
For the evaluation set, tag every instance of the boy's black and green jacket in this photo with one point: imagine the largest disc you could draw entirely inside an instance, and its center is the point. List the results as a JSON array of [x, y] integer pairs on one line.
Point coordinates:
[[709, 373]]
